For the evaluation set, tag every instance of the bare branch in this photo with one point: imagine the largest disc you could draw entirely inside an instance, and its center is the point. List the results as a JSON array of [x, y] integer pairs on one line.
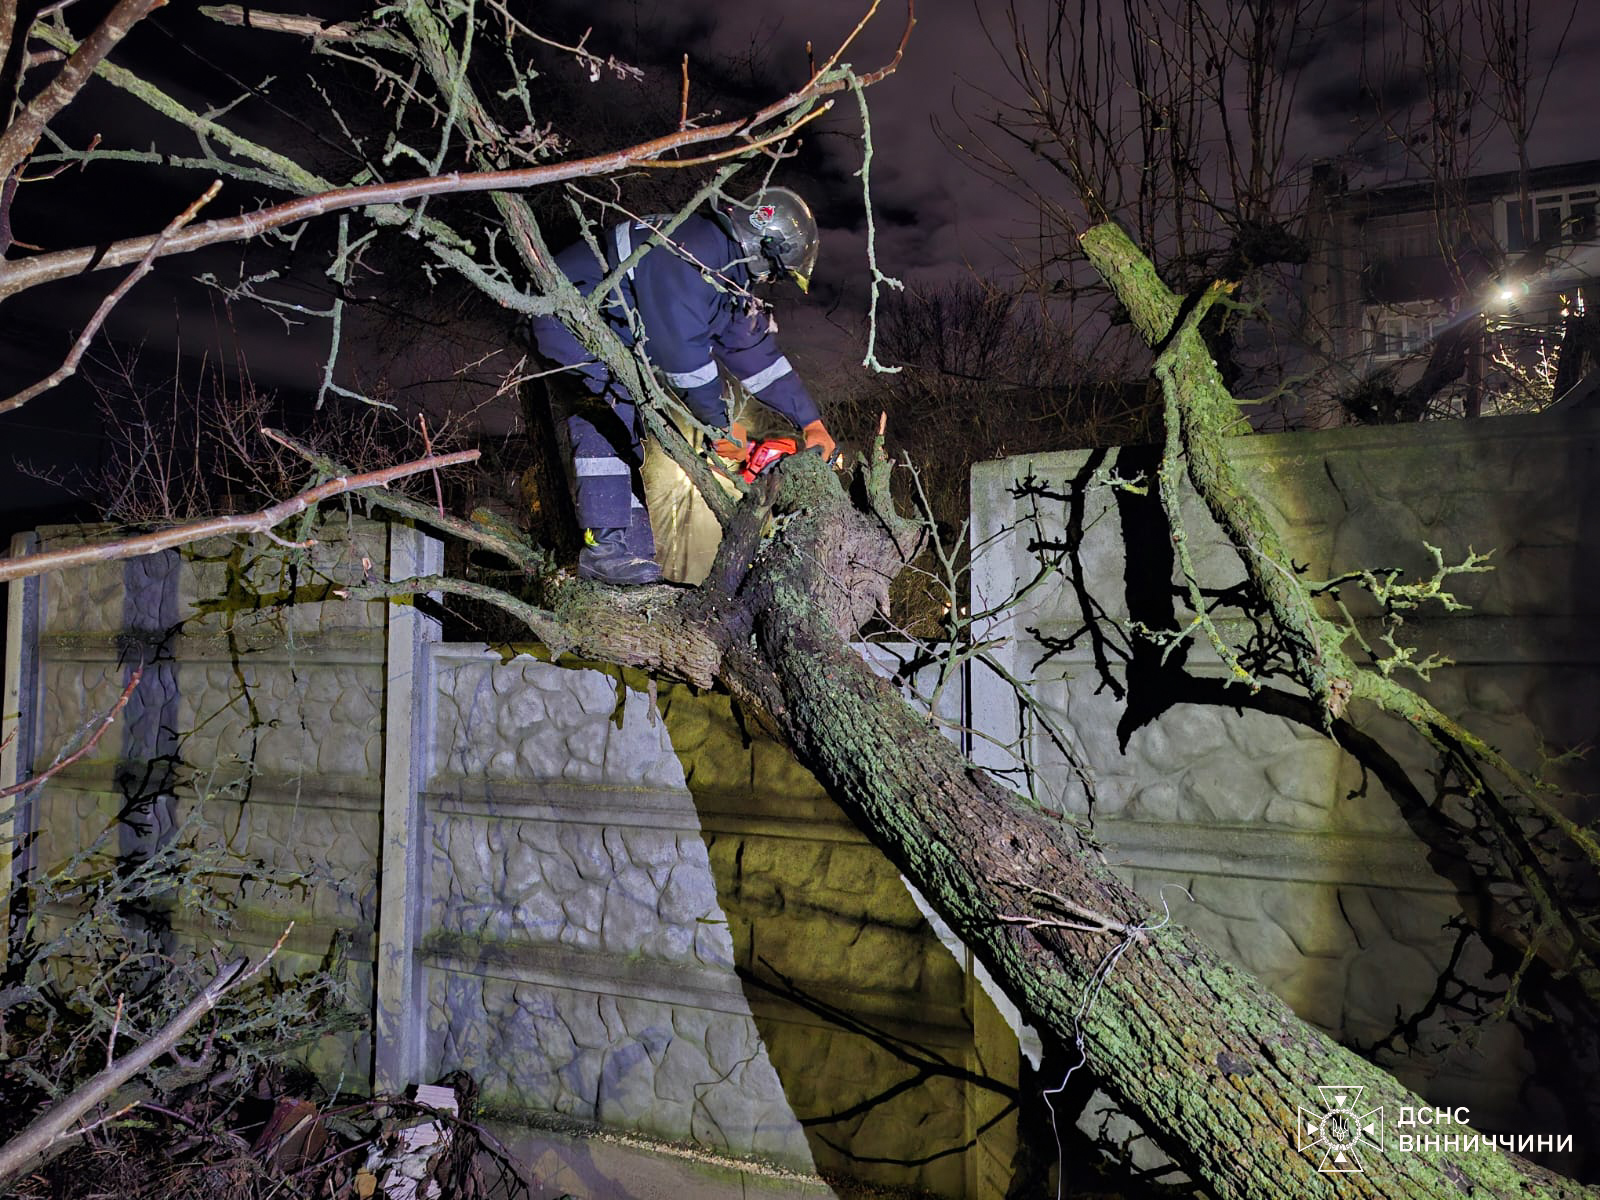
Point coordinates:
[[23, 134], [305, 26], [790, 110], [525, 556], [57, 1123], [194, 531], [69, 365], [104, 724]]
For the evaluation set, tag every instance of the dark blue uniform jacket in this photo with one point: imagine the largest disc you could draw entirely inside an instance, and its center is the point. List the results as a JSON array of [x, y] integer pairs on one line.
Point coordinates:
[[693, 305]]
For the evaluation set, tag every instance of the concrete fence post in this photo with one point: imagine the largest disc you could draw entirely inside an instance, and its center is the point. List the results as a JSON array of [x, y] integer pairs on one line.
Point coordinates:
[[400, 1011], [18, 716]]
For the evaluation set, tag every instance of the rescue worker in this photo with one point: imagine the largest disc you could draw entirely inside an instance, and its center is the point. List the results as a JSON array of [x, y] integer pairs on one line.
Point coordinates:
[[694, 307]]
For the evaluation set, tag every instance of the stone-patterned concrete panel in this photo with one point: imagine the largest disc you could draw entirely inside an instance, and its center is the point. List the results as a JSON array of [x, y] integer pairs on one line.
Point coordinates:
[[627, 892], [301, 719], [827, 1071], [236, 583], [1350, 502], [71, 820], [834, 914], [81, 693], [675, 1072], [338, 1057], [708, 742], [530, 721], [1201, 763], [88, 599], [334, 846]]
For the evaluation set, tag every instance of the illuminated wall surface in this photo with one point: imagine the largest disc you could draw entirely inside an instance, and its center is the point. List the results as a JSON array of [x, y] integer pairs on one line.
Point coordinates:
[[545, 879], [1300, 864], [572, 893]]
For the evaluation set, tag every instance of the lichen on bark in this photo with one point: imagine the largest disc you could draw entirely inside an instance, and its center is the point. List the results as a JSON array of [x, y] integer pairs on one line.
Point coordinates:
[[1201, 416]]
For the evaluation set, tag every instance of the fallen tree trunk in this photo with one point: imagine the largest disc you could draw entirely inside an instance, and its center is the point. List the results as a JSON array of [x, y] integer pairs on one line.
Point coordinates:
[[1214, 1066], [1211, 1063]]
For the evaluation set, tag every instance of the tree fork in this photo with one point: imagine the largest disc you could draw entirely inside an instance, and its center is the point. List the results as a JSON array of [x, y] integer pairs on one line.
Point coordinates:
[[1203, 1055], [1201, 413]]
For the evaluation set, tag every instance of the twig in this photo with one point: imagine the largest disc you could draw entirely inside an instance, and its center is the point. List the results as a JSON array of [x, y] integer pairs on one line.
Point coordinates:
[[672, 164], [101, 1122], [58, 1122], [845, 45], [69, 365], [683, 102], [111, 1041], [427, 448], [1100, 922], [62, 764], [1056, 923], [18, 276], [879, 279], [889, 67], [194, 531]]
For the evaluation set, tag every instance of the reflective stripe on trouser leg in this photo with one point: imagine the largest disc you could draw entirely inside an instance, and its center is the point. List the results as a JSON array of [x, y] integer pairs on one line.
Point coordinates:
[[605, 492], [605, 463]]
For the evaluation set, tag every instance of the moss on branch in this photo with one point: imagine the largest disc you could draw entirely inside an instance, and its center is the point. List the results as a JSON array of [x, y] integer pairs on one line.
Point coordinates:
[[1201, 415]]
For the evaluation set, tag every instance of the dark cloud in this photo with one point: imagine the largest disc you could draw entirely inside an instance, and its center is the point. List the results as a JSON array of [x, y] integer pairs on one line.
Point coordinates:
[[936, 216]]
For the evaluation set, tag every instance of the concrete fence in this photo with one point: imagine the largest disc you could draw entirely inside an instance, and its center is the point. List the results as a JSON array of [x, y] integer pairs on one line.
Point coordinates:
[[613, 907], [1301, 865], [620, 908]]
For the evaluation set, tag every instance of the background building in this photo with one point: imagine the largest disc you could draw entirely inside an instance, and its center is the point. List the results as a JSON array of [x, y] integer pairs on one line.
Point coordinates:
[[1446, 297]]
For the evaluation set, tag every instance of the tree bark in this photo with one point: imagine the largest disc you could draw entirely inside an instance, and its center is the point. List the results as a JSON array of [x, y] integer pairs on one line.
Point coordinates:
[[1202, 1054], [1212, 1064]]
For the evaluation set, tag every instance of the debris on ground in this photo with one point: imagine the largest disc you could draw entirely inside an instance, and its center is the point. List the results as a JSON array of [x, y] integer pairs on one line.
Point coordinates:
[[281, 1138]]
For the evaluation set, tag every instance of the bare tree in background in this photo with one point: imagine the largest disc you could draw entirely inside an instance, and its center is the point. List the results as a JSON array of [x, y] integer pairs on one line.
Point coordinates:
[[1208, 1060], [1176, 119]]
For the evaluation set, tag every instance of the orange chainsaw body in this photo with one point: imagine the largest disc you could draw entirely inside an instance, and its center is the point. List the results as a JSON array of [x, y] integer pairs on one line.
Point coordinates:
[[764, 453]]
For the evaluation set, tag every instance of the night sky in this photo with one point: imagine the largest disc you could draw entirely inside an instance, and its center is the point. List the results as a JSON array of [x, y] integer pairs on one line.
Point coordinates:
[[938, 219]]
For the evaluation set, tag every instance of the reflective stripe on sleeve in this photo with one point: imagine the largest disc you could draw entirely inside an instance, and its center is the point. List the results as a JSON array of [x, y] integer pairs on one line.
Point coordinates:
[[585, 467], [696, 378], [761, 379]]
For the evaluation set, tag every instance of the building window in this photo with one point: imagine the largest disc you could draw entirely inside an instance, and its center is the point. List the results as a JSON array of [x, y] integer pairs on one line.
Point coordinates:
[[1398, 331], [1390, 239], [1550, 218]]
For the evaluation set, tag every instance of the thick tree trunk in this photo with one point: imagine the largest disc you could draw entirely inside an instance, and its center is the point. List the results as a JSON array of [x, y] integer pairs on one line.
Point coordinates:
[[1214, 1066], [1202, 1054]]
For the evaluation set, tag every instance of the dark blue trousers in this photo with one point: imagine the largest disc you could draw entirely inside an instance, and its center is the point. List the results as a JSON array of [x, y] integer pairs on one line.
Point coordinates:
[[602, 428]]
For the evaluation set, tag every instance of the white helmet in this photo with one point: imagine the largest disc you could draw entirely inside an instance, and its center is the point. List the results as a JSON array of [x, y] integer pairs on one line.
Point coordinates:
[[777, 233]]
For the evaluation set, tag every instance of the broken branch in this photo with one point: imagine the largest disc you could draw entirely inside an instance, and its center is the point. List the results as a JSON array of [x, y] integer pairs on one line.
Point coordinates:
[[194, 531], [57, 1123]]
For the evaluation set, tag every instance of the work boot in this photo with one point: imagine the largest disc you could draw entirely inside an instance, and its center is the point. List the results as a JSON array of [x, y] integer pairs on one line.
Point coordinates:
[[606, 558], [640, 539]]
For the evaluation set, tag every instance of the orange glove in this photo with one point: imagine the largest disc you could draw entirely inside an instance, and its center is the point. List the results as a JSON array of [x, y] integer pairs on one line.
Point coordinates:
[[736, 446], [817, 435]]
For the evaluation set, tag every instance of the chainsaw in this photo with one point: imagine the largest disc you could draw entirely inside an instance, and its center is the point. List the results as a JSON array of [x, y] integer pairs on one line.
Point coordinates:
[[764, 452]]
